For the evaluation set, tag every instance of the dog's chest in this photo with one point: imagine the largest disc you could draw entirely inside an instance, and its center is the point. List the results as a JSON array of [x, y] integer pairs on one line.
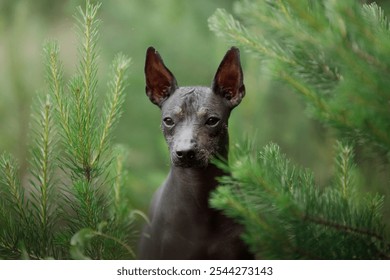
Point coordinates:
[[190, 230], [193, 237]]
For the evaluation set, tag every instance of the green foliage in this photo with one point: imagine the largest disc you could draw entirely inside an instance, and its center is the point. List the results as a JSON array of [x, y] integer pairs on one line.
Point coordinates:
[[333, 53], [286, 216], [76, 175], [13, 214]]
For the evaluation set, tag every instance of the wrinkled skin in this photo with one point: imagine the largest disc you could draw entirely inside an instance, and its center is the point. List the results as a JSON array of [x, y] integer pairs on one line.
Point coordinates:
[[200, 122]]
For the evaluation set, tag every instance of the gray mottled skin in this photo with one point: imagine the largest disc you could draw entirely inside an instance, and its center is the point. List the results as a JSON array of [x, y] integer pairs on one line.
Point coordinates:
[[195, 126], [190, 108]]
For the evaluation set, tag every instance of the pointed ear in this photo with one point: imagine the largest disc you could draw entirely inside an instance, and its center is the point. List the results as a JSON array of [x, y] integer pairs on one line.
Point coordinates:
[[229, 80], [160, 82]]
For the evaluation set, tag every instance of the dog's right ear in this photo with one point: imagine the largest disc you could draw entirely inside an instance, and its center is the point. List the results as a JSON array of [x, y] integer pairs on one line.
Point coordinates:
[[160, 82]]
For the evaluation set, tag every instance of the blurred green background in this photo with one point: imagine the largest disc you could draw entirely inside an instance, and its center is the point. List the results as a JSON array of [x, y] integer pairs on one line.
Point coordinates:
[[178, 30]]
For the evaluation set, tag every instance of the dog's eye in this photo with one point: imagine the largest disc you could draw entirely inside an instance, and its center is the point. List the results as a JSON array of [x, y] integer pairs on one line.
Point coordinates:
[[168, 122], [213, 121]]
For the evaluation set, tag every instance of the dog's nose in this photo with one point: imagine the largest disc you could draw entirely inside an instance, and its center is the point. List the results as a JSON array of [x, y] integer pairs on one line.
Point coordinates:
[[186, 154]]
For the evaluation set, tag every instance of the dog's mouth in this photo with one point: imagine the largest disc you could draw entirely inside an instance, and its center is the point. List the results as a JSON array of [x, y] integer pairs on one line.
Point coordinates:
[[197, 160]]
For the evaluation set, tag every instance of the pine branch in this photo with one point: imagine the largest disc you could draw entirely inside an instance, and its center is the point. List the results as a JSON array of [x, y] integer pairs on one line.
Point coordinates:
[[112, 111], [333, 53], [76, 151], [345, 228], [224, 25], [88, 71], [42, 168], [376, 16], [54, 77], [13, 192], [344, 166], [285, 215], [118, 185], [90, 205]]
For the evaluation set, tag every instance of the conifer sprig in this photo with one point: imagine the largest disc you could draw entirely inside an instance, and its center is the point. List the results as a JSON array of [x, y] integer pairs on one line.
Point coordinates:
[[12, 191], [286, 216], [113, 105], [54, 77], [86, 94], [333, 53], [14, 216], [42, 170]]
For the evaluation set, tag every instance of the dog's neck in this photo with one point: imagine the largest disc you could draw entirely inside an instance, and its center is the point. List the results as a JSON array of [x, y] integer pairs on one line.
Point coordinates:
[[196, 183]]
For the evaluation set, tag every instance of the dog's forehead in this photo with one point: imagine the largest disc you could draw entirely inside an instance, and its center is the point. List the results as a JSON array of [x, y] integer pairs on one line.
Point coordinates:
[[190, 100]]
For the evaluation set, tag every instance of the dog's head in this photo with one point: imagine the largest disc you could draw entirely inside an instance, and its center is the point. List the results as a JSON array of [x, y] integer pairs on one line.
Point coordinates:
[[195, 119]]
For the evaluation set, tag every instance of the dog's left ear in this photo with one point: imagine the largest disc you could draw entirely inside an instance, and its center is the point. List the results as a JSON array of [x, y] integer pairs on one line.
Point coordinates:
[[229, 80]]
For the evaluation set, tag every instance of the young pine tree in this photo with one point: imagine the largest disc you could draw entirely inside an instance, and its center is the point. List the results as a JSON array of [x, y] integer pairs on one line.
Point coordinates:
[[335, 54], [71, 206]]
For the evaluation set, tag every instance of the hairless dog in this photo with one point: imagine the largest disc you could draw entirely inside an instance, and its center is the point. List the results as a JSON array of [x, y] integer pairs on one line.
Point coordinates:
[[195, 126]]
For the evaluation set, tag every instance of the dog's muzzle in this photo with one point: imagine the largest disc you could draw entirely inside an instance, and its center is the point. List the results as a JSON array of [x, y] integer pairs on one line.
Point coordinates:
[[188, 158]]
